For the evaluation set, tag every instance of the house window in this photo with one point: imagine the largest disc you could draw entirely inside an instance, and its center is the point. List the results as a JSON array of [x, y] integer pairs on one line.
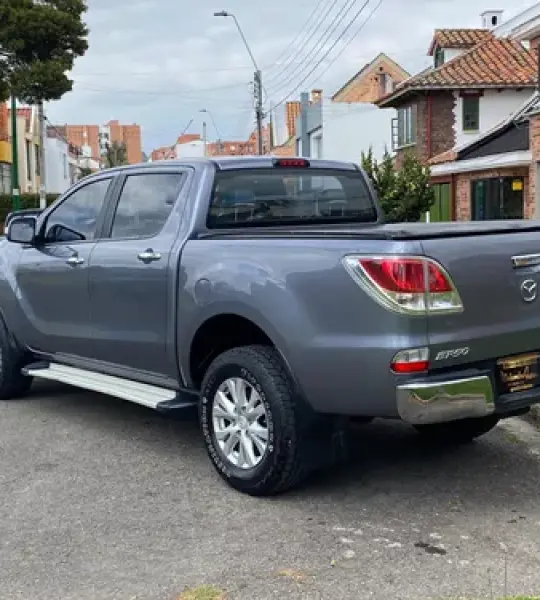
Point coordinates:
[[471, 113], [497, 198], [29, 161], [438, 57], [406, 121], [38, 165]]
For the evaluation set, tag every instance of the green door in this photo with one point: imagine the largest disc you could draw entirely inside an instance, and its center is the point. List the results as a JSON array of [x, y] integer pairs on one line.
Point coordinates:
[[440, 210]]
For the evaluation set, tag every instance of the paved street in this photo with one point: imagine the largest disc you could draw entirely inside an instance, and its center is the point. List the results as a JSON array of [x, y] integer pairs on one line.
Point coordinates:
[[103, 500]]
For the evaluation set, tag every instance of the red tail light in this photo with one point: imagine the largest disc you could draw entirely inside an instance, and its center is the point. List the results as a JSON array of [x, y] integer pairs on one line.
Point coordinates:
[[291, 162], [406, 284], [415, 360]]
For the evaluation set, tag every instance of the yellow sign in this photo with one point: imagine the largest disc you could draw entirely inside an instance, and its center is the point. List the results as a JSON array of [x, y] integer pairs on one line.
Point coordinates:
[[517, 185]]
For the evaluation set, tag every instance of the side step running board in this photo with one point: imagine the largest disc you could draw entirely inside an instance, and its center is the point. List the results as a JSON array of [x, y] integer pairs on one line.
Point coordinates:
[[152, 396]]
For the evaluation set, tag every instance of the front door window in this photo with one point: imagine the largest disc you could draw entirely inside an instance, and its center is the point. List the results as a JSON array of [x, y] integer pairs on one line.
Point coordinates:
[[497, 198]]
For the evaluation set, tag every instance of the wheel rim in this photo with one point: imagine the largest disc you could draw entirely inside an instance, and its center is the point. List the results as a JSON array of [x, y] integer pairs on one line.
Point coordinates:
[[240, 423]]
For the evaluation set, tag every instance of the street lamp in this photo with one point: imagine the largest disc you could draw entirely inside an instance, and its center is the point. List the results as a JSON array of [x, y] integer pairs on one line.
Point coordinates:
[[219, 140], [15, 194], [258, 78]]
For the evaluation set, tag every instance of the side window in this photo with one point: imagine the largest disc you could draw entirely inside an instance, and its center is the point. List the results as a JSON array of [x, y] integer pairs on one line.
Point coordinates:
[[145, 204], [76, 218]]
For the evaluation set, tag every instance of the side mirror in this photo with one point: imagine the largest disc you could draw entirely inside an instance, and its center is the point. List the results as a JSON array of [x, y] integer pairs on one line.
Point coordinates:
[[22, 230]]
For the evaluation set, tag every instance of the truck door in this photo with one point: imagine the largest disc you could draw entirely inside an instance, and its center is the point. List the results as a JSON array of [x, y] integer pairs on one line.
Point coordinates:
[[132, 274]]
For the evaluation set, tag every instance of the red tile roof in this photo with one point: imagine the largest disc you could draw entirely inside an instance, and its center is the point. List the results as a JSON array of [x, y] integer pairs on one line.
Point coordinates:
[[495, 63], [186, 138], [448, 156], [458, 38]]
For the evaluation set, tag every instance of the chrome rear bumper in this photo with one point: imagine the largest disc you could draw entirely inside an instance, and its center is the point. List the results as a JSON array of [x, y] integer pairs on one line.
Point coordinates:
[[421, 403]]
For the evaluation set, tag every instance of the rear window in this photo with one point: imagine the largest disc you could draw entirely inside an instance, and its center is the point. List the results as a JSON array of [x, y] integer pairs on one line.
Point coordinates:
[[289, 196]]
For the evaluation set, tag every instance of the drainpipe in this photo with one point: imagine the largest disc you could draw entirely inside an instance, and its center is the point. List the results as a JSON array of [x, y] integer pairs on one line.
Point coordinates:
[[428, 133], [304, 136]]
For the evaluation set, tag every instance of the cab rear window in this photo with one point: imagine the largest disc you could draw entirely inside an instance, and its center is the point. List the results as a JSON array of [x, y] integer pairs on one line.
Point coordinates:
[[289, 196]]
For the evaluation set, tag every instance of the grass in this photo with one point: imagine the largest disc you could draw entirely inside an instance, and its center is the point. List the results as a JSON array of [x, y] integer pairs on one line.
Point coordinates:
[[202, 592]]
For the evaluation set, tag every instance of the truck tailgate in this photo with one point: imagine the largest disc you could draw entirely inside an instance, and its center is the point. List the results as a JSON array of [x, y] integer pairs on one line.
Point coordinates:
[[501, 297]]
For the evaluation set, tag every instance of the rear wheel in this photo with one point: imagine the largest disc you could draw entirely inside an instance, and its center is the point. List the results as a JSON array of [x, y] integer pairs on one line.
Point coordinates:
[[13, 384], [457, 432], [260, 436]]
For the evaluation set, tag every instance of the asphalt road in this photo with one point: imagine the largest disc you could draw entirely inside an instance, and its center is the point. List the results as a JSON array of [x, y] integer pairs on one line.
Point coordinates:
[[104, 500]]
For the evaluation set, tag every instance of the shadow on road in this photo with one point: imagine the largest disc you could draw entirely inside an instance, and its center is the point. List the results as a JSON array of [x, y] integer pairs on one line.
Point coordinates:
[[387, 457]]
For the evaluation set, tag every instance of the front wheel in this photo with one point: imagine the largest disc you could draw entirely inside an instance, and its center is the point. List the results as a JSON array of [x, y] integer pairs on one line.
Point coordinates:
[[13, 384], [259, 435], [457, 432]]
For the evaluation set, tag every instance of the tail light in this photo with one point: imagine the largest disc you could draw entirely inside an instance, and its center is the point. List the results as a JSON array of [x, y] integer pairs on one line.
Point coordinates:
[[415, 360], [413, 285]]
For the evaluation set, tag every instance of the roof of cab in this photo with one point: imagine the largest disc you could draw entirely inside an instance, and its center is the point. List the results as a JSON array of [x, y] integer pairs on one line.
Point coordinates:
[[233, 162]]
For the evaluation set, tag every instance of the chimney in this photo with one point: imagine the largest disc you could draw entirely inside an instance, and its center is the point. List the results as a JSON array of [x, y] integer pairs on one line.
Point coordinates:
[[491, 18], [316, 96]]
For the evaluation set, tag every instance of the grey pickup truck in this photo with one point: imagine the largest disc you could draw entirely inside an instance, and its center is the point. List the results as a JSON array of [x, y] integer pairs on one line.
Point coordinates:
[[269, 294]]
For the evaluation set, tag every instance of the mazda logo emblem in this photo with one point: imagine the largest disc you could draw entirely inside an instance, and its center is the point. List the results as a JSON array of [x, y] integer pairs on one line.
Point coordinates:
[[529, 290]]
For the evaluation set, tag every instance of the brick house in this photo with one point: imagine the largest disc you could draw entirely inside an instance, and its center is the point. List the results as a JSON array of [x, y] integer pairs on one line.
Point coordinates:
[[493, 173], [494, 176], [376, 79], [477, 80]]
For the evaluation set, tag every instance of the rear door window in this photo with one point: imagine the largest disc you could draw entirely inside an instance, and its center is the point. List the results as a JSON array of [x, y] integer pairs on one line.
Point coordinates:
[[287, 196]]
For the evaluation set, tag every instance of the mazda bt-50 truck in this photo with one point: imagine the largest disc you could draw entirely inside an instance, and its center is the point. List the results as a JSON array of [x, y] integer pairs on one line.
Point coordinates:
[[270, 294]]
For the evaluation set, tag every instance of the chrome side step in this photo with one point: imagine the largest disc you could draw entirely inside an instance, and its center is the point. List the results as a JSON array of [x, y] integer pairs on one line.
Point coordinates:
[[151, 396]]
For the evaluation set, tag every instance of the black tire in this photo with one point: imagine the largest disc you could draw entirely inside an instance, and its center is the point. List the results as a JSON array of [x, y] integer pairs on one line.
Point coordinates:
[[13, 384], [299, 441], [457, 432]]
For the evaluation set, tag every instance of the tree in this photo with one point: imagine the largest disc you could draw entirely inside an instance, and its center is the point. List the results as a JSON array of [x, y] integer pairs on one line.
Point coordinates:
[[40, 40], [84, 172], [405, 194], [115, 155]]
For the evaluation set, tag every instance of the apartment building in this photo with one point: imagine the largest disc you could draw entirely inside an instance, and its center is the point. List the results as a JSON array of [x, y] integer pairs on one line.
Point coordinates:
[[93, 138]]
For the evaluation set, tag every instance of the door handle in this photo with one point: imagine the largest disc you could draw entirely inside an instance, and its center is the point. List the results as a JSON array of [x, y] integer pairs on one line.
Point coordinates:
[[74, 261], [149, 256]]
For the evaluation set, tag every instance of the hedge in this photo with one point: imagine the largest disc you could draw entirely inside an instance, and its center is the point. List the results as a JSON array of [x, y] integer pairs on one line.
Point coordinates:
[[27, 201]]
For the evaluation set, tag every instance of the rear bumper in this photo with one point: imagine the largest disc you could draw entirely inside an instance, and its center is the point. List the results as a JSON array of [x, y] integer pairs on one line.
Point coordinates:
[[441, 400]]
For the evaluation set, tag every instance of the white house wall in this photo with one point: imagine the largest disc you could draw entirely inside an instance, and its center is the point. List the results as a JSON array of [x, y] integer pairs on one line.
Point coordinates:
[[494, 107], [57, 166], [190, 150], [350, 129]]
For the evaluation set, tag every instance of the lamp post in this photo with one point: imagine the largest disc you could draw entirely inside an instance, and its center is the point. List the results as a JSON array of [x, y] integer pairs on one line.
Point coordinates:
[[15, 193], [257, 79]]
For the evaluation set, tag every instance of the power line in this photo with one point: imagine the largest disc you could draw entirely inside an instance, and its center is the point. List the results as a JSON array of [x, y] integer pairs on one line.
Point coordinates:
[[351, 39], [319, 46], [306, 41], [298, 36], [335, 43], [169, 92], [151, 74]]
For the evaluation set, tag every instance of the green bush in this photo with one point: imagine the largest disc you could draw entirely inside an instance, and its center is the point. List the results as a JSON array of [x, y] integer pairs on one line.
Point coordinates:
[[27, 201]]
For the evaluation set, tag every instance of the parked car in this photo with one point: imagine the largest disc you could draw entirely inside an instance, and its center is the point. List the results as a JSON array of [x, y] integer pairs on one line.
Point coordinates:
[[270, 294]]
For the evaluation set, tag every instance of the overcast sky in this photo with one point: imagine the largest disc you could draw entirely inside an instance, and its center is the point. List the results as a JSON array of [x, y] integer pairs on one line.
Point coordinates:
[[159, 62]]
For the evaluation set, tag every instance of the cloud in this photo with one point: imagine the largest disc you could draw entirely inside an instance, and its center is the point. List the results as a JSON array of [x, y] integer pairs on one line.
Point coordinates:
[[159, 62]]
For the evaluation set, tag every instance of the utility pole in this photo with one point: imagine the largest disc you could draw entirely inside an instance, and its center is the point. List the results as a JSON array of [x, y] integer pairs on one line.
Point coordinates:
[[42, 174], [259, 109], [258, 88], [204, 137], [15, 192]]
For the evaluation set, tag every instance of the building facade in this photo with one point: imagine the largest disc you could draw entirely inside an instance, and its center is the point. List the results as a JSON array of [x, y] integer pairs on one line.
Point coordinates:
[[5, 151], [92, 139]]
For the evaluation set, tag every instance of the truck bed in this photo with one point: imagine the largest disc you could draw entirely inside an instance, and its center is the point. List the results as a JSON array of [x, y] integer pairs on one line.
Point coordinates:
[[390, 231]]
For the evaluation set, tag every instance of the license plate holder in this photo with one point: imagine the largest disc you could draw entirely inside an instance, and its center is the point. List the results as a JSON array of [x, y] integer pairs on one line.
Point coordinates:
[[520, 372]]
